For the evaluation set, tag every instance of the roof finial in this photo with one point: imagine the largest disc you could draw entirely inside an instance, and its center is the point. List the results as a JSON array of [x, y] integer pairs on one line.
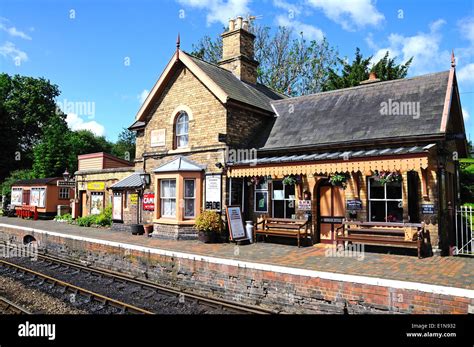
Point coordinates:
[[178, 46], [453, 59]]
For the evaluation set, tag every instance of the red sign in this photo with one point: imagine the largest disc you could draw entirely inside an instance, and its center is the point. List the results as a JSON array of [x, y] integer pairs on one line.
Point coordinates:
[[149, 202]]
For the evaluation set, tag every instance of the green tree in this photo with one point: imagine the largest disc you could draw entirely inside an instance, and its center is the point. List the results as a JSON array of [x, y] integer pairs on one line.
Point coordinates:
[[6, 186], [125, 146], [350, 75], [288, 62], [26, 106]]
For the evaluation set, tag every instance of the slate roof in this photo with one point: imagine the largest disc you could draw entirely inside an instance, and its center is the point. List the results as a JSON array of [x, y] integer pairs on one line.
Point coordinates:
[[257, 95], [353, 114], [131, 182], [179, 164], [335, 155], [37, 181]]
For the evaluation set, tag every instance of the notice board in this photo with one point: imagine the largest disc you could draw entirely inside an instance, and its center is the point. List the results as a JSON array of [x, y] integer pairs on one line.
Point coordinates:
[[235, 223]]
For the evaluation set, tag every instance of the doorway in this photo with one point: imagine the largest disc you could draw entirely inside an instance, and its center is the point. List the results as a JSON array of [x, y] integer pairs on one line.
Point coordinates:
[[331, 211], [83, 205]]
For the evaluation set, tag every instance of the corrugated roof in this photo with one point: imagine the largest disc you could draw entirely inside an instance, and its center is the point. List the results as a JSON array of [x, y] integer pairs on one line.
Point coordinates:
[[131, 182], [335, 155], [354, 114], [180, 164], [256, 95]]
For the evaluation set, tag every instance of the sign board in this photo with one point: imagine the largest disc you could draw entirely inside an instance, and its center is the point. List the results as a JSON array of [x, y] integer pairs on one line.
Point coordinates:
[[236, 224], [304, 205], [335, 220], [133, 199], [427, 209], [66, 184], [213, 192], [117, 207], [158, 138], [353, 205], [96, 186], [149, 202]]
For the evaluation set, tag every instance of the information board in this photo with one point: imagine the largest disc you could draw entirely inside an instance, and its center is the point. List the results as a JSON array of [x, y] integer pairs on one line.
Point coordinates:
[[236, 224]]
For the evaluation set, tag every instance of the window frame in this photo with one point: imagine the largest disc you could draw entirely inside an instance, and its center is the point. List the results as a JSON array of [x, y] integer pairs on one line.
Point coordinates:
[[166, 198], [189, 198], [385, 200], [64, 189], [264, 192], [177, 135], [285, 199]]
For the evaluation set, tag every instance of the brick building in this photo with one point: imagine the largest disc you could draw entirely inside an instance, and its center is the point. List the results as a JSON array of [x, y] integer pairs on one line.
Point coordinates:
[[198, 131]]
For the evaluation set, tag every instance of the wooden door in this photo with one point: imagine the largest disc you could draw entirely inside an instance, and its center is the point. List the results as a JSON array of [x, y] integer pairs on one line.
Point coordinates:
[[83, 204], [331, 211]]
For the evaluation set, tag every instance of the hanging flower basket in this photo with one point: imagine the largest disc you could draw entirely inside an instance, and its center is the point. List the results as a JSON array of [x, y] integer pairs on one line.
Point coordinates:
[[384, 177], [291, 180], [339, 180], [255, 180]]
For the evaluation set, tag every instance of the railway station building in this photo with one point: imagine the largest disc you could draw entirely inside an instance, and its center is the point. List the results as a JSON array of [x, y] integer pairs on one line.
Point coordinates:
[[210, 136]]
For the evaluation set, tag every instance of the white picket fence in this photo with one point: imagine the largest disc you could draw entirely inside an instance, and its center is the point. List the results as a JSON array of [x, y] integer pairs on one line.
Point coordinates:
[[464, 231]]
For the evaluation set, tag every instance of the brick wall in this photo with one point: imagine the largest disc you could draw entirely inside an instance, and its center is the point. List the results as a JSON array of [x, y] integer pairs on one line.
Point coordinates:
[[287, 292]]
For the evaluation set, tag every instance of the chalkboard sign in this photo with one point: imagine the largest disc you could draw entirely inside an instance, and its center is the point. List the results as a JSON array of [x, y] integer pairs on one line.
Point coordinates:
[[354, 205], [236, 224], [427, 209]]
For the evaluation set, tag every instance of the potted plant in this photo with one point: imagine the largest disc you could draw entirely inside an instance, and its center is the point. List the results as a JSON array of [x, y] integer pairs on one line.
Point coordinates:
[[339, 180], [291, 180], [209, 226]]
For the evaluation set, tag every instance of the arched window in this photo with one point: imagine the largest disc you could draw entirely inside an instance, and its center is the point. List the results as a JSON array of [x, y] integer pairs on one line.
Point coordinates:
[[182, 129]]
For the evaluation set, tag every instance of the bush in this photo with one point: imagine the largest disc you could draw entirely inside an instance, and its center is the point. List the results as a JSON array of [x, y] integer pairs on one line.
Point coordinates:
[[209, 221], [64, 218], [103, 219]]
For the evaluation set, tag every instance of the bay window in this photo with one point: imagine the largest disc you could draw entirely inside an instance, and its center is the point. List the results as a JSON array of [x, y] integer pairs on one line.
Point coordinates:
[[168, 198], [189, 198]]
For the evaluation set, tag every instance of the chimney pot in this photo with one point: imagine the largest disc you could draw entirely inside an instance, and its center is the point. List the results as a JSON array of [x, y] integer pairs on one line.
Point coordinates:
[[245, 25], [372, 76], [231, 25], [239, 22]]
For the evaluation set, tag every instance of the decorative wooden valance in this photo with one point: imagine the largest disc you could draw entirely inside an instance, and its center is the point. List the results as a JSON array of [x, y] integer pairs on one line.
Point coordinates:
[[364, 166]]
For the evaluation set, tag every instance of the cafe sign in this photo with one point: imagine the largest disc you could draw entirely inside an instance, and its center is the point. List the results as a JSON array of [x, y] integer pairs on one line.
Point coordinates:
[[96, 186], [149, 202]]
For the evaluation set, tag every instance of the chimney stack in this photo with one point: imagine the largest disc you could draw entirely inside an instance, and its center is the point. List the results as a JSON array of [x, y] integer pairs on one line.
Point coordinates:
[[238, 51]]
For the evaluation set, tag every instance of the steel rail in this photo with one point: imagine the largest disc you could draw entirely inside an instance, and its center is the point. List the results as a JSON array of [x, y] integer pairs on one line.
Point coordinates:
[[10, 306], [75, 289], [203, 300]]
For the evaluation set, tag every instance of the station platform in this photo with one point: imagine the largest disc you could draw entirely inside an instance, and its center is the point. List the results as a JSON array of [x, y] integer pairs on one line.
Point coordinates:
[[455, 272]]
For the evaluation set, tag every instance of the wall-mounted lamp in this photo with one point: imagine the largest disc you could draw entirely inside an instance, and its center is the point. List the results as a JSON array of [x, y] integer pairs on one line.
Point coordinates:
[[219, 165], [146, 179]]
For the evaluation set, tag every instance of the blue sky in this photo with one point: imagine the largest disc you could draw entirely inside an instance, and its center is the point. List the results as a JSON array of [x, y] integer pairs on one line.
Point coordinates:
[[109, 54]]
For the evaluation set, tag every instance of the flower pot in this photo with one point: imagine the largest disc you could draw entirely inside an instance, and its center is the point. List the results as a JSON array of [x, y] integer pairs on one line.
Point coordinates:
[[137, 229], [207, 236], [148, 229]]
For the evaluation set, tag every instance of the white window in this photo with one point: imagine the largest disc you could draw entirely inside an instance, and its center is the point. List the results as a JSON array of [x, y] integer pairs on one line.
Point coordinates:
[[64, 193], [189, 198], [38, 197], [261, 197], [168, 198], [17, 196], [385, 201], [283, 200], [182, 130]]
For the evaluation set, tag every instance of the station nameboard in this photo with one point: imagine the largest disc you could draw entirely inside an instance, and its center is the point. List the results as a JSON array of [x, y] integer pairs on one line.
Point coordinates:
[[236, 224], [66, 184]]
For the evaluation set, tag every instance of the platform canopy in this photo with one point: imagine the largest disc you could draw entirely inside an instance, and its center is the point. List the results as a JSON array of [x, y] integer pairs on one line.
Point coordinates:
[[387, 159]]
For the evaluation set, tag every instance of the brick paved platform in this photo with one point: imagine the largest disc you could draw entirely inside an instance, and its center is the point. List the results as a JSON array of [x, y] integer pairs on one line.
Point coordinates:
[[454, 272]]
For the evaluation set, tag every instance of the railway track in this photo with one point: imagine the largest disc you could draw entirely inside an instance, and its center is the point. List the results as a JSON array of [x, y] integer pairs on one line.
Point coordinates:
[[73, 289], [8, 307], [142, 285]]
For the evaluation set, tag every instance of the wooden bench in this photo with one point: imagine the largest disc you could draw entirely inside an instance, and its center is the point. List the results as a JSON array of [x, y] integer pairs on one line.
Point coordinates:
[[26, 211], [408, 235], [294, 228]]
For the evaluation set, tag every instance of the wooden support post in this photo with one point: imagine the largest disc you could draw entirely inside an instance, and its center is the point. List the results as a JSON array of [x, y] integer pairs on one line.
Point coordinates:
[[424, 183]]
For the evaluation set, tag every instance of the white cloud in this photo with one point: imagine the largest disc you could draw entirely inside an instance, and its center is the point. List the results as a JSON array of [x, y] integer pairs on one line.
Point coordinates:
[[12, 31], [9, 50], [219, 11], [465, 114], [466, 73], [143, 95], [350, 14], [423, 47], [466, 28], [309, 31], [77, 123]]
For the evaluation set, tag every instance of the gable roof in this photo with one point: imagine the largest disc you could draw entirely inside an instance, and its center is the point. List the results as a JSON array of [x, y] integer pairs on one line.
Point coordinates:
[[179, 164], [221, 82], [354, 114], [37, 181]]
